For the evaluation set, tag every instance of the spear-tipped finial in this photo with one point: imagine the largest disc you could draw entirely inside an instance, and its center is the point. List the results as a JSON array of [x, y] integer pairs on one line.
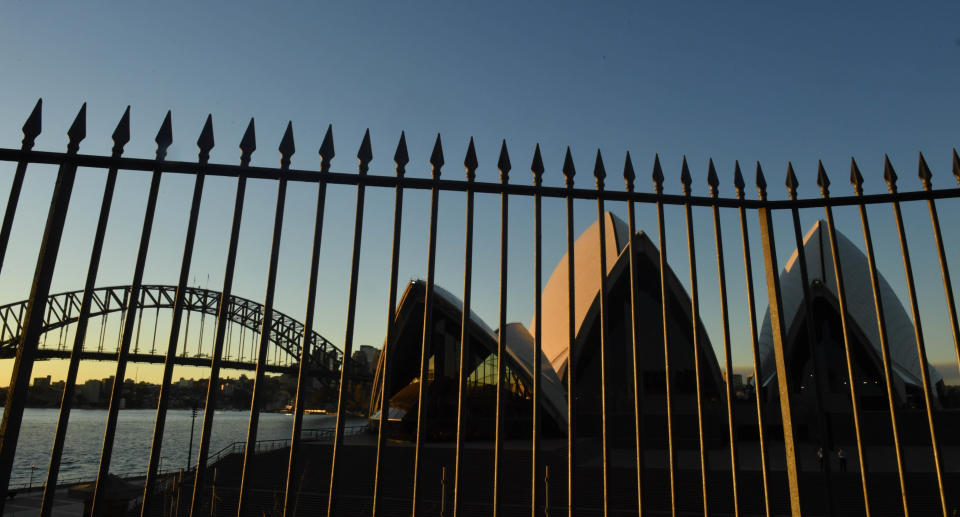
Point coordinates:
[[822, 180], [791, 182], [32, 127], [856, 179], [738, 183], [326, 150], [889, 175], [657, 175], [436, 158], [78, 130], [205, 141], [761, 183], [164, 137], [536, 167], [503, 163], [924, 173], [121, 134], [956, 166], [685, 179], [712, 180], [599, 171], [248, 144], [365, 153], [400, 157], [569, 171], [287, 147], [628, 174], [470, 162]]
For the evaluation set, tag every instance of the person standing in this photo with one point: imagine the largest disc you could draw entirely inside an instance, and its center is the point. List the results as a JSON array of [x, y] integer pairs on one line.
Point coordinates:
[[843, 459]]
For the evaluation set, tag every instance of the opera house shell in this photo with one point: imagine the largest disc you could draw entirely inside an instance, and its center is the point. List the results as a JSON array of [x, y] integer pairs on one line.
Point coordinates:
[[582, 358], [828, 339]]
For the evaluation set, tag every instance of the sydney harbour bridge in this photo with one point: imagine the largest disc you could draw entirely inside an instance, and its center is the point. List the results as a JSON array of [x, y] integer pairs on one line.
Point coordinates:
[[244, 319]]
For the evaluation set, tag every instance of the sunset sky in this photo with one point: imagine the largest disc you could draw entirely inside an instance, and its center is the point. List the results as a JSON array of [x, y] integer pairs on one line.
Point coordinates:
[[731, 81]]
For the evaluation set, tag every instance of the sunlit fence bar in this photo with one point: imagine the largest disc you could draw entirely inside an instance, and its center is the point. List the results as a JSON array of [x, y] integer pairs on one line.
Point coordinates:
[[613, 403]]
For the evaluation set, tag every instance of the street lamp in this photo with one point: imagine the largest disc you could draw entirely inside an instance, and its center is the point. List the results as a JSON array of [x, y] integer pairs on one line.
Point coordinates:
[[33, 467]]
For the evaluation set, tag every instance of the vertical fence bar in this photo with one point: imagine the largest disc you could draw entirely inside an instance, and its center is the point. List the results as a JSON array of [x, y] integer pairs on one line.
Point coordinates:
[[400, 158], [856, 179], [436, 162], [31, 129], [824, 183], [205, 143], [629, 175], [819, 368], [306, 342], [686, 180], [164, 139], [470, 163], [248, 145], [600, 173], [568, 173], [503, 164], [755, 348], [671, 453], [32, 322], [778, 329], [714, 182], [537, 168], [286, 151], [121, 135], [890, 176], [925, 176]]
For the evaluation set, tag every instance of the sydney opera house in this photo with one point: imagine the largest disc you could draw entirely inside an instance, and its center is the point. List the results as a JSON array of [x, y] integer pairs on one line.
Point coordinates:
[[582, 357]]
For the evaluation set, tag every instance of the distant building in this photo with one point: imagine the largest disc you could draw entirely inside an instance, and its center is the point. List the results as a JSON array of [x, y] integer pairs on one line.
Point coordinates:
[[41, 382], [89, 391]]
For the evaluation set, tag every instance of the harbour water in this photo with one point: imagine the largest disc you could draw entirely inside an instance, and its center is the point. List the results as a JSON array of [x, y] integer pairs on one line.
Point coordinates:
[[81, 455]]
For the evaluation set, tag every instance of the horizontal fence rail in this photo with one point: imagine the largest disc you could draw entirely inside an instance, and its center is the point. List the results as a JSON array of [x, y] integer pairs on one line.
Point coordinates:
[[624, 408]]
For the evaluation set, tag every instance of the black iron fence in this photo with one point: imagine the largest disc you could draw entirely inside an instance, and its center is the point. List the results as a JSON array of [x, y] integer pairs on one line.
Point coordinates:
[[557, 493]]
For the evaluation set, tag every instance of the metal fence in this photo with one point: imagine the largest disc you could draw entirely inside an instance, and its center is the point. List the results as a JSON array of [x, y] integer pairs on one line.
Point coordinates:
[[33, 320]]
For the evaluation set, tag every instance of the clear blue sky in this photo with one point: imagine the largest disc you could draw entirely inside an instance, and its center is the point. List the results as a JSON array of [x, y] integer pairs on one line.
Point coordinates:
[[702, 79]]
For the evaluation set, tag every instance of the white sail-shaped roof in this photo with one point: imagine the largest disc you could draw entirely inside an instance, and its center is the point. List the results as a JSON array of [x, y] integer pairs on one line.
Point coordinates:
[[556, 312], [860, 304]]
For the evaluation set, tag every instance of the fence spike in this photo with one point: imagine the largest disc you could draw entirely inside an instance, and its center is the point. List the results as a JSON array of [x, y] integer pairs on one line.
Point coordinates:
[[822, 180], [205, 140], [121, 134], [856, 179], [536, 167], [248, 144], [712, 180], [599, 171], [470, 162], [365, 153], [503, 163], [889, 175], [287, 147], [657, 174], [791, 182], [164, 137], [761, 183], [628, 174], [956, 166], [326, 149], [400, 157], [685, 179], [738, 183], [924, 173], [569, 171], [78, 130], [33, 125], [436, 158]]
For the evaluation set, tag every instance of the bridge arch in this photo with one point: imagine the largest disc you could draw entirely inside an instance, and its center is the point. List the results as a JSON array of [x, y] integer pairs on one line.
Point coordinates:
[[63, 309]]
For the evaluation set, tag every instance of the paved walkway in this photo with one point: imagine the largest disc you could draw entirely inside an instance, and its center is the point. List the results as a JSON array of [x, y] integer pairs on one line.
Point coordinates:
[[27, 504]]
